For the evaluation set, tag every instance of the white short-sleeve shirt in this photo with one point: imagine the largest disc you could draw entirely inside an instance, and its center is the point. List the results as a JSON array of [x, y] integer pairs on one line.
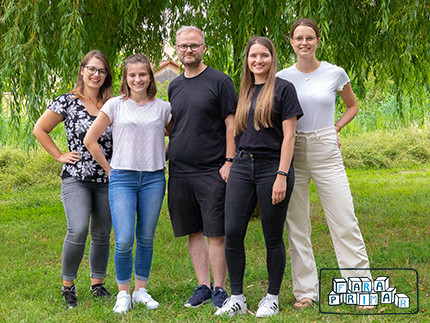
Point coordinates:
[[138, 133], [317, 94]]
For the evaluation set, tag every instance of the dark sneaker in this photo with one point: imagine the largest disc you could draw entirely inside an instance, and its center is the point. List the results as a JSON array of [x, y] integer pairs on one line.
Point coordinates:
[[219, 295], [69, 294], [202, 294], [99, 290]]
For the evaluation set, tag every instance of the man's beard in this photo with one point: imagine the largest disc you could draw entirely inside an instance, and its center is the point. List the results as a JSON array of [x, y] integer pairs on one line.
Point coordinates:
[[194, 64]]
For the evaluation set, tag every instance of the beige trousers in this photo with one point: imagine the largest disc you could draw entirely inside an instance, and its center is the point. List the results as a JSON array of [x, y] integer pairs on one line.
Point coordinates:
[[317, 157]]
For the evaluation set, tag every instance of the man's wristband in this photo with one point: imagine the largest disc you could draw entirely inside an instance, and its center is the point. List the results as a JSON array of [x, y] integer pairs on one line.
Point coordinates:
[[280, 172], [229, 160]]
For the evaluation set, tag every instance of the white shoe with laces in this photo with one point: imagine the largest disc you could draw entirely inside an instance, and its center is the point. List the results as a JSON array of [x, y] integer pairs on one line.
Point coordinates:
[[232, 306], [123, 302], [142, 296], [267, 307]]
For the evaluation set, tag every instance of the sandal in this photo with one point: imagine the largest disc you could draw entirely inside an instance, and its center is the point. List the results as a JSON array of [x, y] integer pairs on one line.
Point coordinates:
[[304, 302]]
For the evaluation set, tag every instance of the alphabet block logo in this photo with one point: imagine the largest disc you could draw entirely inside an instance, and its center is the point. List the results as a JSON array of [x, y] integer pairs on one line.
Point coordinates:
[[388, 290], [363, 292]]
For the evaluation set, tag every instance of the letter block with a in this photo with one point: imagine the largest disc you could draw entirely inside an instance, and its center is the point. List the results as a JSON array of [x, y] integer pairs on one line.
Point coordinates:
[[354, 284], [387, 297], [381, 284]]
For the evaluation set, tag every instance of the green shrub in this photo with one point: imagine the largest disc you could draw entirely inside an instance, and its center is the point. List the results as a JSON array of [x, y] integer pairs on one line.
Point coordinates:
[[407, 147], [20, 169]]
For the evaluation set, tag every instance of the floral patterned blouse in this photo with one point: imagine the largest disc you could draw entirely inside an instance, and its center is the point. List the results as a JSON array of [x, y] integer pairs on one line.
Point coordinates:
[[77, 121]]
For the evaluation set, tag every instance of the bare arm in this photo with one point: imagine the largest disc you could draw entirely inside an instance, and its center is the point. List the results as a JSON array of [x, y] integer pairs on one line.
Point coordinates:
[[168, 127], [90, 141], [48, 121], [351, 111], [166, 133], [287, 149], [230, 146]]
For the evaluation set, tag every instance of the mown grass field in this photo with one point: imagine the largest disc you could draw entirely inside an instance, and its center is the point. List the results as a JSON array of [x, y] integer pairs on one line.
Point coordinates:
[[393, 208]]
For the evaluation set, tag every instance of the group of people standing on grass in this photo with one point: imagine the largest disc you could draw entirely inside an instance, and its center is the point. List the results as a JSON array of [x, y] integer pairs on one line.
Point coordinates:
[[226, 154]]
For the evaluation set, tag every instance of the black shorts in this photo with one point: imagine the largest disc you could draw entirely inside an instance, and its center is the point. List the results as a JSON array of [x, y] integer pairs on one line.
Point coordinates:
[[196, 204]]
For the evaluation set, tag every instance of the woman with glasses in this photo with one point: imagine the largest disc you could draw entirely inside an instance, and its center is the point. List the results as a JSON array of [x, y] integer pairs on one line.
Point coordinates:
[[84, 187], [137, 182], [317, 157], [261, 172]]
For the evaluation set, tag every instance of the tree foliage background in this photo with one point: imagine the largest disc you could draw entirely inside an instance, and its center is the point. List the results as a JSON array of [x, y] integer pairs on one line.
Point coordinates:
[[42, 42]]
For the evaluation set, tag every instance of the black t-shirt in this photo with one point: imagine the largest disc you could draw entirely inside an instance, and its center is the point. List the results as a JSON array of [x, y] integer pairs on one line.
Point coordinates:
[[267, 142], [199, 107]]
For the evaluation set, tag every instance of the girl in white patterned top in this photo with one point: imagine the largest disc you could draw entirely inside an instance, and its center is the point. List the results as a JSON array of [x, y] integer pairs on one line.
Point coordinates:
[[317, 156], [137, 182]]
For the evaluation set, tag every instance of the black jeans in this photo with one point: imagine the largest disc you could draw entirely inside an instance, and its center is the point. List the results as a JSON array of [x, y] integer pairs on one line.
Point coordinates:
[[250, 181]]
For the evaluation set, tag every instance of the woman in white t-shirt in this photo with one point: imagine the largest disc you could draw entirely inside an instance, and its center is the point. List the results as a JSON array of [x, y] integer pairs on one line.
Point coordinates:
[[317, 156], [137, 181]]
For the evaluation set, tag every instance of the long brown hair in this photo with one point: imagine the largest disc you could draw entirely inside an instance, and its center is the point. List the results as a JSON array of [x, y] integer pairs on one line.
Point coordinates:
[[305, 22], [263, 106], [106, 91], [133, 59]]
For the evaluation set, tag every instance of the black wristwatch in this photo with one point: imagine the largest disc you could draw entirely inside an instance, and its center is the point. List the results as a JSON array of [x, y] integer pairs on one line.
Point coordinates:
[[280, 172], [229, 160]]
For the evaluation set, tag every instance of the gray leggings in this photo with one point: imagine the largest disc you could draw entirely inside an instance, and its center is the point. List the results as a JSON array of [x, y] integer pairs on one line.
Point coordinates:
[[81, 201]]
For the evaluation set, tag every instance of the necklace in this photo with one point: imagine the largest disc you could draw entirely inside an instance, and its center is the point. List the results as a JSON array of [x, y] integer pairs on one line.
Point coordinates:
[[312, 67]]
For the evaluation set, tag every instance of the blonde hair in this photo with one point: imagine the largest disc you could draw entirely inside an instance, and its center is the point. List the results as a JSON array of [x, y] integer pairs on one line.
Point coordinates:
[[264, 104], [187, 29], [133, 59], [106, 91]]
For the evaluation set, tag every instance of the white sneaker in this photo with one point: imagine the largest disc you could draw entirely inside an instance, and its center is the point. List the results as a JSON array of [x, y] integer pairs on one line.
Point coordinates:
[[142, 296], [232, 307], [123, 302], [267, 307]]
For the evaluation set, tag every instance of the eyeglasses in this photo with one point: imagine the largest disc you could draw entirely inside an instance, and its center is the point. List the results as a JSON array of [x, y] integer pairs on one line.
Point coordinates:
[[193, 47], [299, 40], [92, 70]]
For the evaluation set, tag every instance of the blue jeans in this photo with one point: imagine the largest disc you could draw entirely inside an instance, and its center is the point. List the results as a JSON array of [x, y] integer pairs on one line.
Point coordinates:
[[82, 201], [130, 193], [250, 181]]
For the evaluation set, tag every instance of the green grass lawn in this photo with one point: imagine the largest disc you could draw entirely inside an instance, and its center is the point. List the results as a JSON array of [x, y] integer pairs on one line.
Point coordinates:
[[393, 208]]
